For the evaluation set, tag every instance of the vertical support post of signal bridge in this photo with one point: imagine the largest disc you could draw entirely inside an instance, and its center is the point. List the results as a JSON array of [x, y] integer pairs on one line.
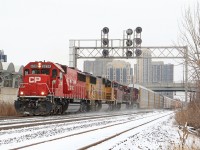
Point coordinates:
[[75, 57], [186, 73], [72, 54]]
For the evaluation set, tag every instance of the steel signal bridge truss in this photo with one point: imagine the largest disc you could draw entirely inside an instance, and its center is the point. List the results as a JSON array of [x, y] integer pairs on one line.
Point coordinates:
[[126, 48]]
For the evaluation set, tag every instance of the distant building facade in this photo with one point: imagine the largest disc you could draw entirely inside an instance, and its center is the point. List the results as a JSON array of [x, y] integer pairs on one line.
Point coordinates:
[[142, 70], [115, 70], [97, 67], [162, 73], [120, 71], [3, 57]]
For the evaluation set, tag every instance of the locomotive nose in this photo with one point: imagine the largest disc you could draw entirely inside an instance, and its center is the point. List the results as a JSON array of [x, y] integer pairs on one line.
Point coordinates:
[[35, 85]]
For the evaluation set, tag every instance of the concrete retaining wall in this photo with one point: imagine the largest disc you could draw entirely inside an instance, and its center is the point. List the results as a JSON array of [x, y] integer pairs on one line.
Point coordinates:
[[8, 94]]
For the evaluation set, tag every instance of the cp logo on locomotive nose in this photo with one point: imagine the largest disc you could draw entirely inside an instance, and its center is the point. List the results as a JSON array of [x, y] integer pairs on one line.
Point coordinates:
[[34, 79]]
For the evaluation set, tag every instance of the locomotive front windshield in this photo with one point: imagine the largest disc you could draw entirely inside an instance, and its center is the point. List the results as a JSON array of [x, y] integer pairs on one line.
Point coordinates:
[[42, 71]]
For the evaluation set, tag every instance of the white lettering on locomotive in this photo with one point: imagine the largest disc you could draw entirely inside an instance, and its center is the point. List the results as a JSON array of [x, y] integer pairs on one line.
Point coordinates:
[[71, 84], [34, 79]]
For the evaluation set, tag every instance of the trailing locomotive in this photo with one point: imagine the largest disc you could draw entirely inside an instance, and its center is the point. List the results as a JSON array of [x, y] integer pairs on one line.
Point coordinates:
[[49, 88]]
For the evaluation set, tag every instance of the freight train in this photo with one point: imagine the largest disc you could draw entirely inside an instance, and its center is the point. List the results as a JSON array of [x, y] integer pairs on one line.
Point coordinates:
[[50, 88]]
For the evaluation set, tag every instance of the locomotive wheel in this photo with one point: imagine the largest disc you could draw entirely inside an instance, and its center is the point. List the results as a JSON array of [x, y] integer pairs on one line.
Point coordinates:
[[60, 109], [84, 107]]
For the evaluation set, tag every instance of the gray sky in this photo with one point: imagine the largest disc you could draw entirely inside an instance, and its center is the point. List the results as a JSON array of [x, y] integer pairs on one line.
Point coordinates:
[[34, 30]]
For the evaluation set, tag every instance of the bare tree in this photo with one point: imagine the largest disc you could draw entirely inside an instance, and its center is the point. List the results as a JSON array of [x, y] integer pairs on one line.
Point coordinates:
[[190, 36]]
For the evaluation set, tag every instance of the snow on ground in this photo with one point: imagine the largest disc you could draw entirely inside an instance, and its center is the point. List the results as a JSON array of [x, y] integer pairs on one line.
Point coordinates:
[[162, 134]]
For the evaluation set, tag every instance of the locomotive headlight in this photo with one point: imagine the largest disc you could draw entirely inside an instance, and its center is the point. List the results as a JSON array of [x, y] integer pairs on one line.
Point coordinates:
[[39, 65], [21, 93], [42, 93]]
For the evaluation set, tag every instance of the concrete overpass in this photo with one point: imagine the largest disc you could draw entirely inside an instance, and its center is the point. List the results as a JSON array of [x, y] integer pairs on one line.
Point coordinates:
[[159, 87]]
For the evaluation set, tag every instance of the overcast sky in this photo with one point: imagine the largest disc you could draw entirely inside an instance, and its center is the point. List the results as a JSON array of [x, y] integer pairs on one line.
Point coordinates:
[[34, 30]]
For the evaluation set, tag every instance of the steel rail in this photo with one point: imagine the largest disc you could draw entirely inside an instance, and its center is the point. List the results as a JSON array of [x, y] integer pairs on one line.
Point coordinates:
[[130, 120]]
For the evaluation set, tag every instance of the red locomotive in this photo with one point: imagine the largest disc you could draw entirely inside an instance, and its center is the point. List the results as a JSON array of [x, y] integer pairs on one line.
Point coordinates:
[[48, 88]]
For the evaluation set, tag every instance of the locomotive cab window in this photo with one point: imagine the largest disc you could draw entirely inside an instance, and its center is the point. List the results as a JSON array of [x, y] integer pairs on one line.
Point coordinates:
[[35, 71], [45, 71], [54, 73], [26, 71]]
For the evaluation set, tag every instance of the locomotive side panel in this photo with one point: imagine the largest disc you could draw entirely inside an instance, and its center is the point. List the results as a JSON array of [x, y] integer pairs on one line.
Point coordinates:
[[81, 86], [99, 89], [109, 91], [90, 87]]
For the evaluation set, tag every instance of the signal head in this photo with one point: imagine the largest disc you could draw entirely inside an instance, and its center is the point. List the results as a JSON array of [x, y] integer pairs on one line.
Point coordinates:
[[129, 31], [105, 52], [129, 53], [129, 42], [138, 30], [138, 41], [105, 41], [138, 52], [105, 30]]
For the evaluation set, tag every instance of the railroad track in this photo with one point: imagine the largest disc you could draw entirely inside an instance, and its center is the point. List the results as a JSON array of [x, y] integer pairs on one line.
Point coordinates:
[[16, 124], [118, 134], [129, 125]]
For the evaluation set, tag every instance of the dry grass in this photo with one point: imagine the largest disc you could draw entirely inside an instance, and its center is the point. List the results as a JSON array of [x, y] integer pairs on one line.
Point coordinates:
[[7, 109], [190, 114], [179, 147]]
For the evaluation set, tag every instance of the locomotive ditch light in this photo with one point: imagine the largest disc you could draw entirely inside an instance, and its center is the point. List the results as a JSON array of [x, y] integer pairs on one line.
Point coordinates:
[[138, 30], [138, 52], [129, 53], [105, 53], [105, 41], [105, 30], [129, 42], [42, 93], [129, 31], [21, 93], [138, 41]]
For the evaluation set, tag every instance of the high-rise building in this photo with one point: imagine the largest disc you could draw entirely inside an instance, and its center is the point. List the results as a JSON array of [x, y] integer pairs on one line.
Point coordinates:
[[157, 71], [120, 71], [168, 73], [142, 70], [3, 58], [96, 67], [162, 73]]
